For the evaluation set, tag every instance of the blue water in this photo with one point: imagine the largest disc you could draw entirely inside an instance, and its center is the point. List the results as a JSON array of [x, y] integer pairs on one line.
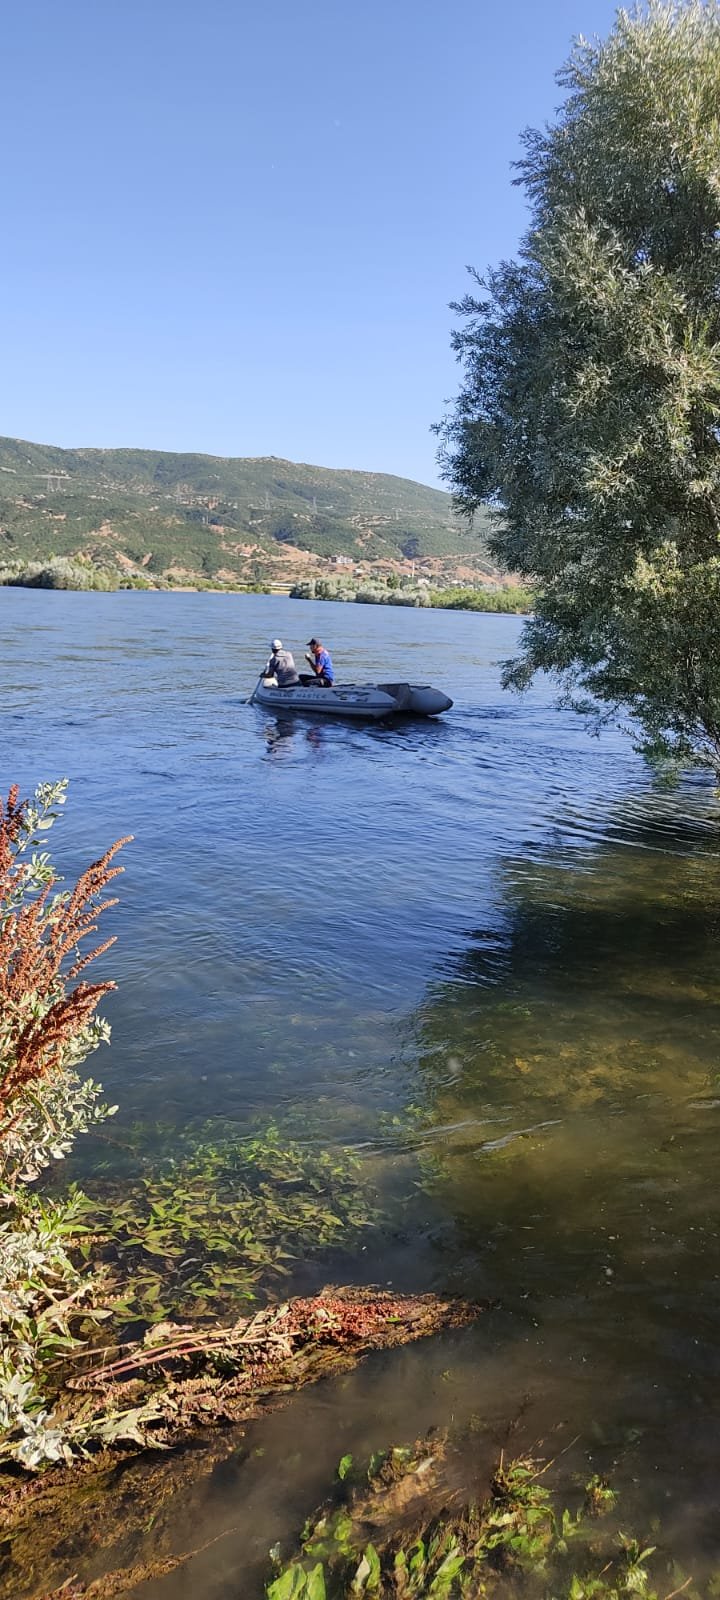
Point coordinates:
[[293, 886], [495, 920]]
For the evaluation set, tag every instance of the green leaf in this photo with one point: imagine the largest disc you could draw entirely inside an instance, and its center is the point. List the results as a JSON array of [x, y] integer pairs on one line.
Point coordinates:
[[316, 1584], [448, 1569], [291, 1584], [367, 1576]]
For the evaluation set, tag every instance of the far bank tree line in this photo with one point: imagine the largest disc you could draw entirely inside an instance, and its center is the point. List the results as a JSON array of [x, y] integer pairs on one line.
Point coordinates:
[[405, 592]]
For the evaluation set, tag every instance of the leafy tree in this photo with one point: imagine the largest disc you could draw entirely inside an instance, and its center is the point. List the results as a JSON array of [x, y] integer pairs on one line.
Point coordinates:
[[590, 406]]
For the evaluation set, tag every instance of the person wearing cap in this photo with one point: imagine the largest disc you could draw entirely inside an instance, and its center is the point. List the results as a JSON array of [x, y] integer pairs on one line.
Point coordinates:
[[281, 666], [321, 663]]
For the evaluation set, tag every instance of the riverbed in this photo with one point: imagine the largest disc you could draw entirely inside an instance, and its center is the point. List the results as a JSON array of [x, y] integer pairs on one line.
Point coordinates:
[[480, 951]]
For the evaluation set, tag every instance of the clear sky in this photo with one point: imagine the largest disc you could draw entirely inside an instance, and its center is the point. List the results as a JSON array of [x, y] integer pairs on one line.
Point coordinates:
[[235, 227]]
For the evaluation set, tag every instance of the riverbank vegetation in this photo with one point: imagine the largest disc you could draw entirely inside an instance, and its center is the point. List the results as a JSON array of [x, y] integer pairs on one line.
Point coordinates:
[[93, 1359], [185, 1387], [79, 572], [210, 1227], [48, 1027], [406, 592], [442, 1519], [589, 407], [61, 572]]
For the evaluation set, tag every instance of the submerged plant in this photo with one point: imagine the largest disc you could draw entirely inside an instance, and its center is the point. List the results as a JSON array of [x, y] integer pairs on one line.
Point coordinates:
[[400, 1527], [218, 1221]]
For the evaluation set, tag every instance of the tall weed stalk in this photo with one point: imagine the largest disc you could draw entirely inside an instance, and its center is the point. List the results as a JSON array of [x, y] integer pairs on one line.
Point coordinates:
[[48, 1026]]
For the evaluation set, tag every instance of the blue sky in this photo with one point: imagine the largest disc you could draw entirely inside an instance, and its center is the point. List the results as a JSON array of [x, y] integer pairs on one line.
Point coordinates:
[[236, 227]]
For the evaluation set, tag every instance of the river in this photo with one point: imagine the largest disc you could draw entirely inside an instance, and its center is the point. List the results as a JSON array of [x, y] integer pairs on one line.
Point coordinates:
[[481, 951]]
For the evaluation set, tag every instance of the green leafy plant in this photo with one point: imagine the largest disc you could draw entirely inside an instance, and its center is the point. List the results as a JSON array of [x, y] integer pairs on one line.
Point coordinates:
[[216, 1221], [428, 1541]]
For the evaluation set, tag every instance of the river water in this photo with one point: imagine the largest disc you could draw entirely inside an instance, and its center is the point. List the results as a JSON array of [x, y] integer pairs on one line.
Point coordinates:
[[481, 951]]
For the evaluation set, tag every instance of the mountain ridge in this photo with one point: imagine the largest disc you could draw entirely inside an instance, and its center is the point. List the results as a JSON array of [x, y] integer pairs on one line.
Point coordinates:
[[181, 514]]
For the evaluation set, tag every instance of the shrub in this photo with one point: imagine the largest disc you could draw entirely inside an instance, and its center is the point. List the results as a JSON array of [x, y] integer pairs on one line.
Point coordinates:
[[58, 572], [48, 1026]]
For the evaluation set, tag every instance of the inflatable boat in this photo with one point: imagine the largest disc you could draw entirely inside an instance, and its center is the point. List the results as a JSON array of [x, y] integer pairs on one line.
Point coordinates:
[[373, 700]]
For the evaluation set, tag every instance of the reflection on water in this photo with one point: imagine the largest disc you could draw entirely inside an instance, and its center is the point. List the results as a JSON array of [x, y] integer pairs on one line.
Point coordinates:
[[482, 951], [280, 731], [586, 1023]]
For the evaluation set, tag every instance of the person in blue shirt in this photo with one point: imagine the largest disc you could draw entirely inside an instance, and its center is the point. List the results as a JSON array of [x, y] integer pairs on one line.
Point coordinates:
[[321, 663]]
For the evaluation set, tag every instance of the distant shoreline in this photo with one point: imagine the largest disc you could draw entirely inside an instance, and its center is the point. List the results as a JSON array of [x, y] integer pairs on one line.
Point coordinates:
[[84, 576], [510, 601], [493, 610]]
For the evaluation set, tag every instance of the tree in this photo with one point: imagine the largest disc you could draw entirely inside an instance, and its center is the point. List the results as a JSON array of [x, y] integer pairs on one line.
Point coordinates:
[[589, 413]]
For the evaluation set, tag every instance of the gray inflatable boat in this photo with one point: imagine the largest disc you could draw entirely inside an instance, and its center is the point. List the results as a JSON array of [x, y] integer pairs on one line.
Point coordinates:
[[373, 700]]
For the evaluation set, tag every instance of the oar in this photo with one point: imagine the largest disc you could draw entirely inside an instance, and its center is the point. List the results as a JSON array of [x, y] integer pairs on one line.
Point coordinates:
[[255, 690]]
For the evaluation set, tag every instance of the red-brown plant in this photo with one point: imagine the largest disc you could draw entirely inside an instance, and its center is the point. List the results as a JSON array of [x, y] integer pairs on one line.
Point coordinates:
[[40, 933]]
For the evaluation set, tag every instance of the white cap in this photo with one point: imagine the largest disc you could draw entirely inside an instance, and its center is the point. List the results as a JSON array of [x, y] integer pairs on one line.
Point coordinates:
[[276, 644]]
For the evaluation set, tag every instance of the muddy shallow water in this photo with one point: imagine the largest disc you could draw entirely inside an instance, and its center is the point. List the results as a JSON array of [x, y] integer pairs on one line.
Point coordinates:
[[483, 952]]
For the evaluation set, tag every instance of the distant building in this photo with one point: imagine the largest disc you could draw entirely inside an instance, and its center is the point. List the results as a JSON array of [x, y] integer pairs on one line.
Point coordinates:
[[341, 561]]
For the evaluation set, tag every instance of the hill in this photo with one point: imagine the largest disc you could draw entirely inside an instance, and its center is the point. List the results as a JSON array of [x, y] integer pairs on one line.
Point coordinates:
[[236, 518]]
